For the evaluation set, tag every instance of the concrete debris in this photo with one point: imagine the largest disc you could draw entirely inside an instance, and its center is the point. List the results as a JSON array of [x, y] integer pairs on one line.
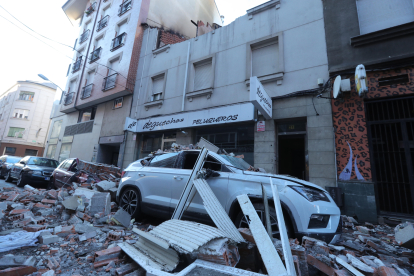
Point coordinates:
[[122, 218], [404, 234], [105, 186]]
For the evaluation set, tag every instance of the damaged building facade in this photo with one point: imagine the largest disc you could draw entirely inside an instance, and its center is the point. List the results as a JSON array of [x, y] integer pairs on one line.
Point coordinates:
[[373, 131], [200, 88], [101, 79]]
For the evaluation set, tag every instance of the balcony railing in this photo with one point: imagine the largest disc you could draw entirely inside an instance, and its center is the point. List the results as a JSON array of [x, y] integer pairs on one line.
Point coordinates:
[[124, 7], [103, 23], [84, 36], [87, 91], [118, 41], [91, 9], [109, 82], [68, 98], [95, 55], [77, 64]]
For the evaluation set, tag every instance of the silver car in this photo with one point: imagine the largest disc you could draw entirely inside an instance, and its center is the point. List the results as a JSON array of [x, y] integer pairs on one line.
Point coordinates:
[[154, 186]]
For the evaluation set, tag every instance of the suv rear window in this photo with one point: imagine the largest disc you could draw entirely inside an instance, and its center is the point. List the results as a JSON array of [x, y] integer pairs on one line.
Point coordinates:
[[164, 161], [11, 159]]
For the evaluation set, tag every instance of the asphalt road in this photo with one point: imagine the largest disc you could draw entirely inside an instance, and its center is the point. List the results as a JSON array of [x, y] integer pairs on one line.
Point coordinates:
[[3, 183]]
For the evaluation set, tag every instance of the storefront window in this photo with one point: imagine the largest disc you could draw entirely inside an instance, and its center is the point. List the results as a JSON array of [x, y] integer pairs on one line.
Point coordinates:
[[51, 150], [65, 152], [57, 125], [233, 139]]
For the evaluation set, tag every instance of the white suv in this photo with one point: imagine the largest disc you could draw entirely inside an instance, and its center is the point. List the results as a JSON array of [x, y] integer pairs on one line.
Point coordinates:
[[155, 188]]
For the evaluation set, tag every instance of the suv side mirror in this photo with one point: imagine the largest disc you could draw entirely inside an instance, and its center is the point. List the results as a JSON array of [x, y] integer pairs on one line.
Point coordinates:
[[21, 162]]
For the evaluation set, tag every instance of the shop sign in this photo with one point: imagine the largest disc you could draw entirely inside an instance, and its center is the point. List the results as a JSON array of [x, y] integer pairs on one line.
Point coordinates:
[[212, 116], [259, 98], [130, 124], [261, 126]]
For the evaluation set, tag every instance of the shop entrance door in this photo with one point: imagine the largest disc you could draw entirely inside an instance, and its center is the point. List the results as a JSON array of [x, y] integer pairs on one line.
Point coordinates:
[[292, 155], [391, 139], [292, 149]]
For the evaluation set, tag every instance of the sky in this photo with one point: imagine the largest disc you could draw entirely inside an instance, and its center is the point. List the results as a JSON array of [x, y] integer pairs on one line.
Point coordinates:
[[23, 56]]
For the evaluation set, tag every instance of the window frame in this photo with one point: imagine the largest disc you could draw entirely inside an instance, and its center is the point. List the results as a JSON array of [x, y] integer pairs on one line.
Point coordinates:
[[29, 93], [19, 113], [5, 151], [191, 91], [93, 114], [14, 136], [274, 77], [115, 103], [151, 83]]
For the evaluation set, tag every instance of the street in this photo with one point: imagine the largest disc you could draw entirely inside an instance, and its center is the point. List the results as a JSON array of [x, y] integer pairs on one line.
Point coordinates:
[[4, 184]]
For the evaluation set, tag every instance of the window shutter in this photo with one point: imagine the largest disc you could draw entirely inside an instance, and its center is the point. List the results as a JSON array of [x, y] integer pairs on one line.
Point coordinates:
[[265, 60], [158, 85], [375, 15], [203, 75]]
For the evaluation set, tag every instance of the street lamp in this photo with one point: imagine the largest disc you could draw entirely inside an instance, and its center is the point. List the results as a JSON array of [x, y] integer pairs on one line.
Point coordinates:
[[46, 79]]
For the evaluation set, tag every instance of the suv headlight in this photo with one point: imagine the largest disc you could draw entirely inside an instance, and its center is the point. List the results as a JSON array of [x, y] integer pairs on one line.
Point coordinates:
[[311, 194]]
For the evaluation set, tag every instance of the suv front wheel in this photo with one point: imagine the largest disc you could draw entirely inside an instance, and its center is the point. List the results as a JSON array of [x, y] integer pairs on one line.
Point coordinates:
[[241, 221], [8, 176], [129, 201]]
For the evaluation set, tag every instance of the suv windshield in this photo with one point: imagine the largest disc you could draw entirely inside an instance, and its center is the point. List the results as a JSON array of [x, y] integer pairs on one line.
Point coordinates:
[[44, 162], [11, 159], [236, 162]]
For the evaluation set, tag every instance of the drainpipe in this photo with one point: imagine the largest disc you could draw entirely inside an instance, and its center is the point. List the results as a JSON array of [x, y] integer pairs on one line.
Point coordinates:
[[86, 55], [336, 167], [186, 73]]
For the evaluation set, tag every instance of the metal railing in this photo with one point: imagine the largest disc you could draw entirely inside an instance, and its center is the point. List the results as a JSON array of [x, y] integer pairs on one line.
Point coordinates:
[[95, 55], [109, 82], [124, 7], [103, 23], [87, 91], [118, 41], [77, 65], [84, 36], [68, 98], [91, 9]]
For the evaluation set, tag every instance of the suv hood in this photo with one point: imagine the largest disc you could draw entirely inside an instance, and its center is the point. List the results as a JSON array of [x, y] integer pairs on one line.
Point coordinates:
[[286, 177]]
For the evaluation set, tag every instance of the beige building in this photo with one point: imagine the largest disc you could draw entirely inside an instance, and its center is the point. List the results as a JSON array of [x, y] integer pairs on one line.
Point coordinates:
[[25, 111]]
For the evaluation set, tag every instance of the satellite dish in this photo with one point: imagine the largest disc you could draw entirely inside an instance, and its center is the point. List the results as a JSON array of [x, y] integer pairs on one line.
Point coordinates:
[[337, 87]]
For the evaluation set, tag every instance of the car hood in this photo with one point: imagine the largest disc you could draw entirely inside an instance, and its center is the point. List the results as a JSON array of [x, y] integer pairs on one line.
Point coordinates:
[[40, 168], [285, 177]]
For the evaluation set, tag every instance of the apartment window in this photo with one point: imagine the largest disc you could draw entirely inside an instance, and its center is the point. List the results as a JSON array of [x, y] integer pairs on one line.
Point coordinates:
[[157, 88], [26, 96], [15, 132], [118, 103], [21, 113], [65, 152], [9, 151], [265, 59], [30, 152], [57, 125], [375, 15], [51, 150], [124, 7], [87, 115], [203, 75]]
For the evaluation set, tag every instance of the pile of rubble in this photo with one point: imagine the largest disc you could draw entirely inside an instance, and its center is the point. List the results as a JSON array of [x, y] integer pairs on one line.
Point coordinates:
[[365, 250]]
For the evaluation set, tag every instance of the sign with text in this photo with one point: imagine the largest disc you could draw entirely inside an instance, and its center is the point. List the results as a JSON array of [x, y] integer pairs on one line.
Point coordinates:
[[259, 98], [211, 116], [261, 126], [130, 124]]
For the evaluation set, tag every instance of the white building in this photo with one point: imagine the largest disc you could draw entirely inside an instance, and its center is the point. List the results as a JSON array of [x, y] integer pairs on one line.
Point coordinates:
[[24, 117], [283, 44]]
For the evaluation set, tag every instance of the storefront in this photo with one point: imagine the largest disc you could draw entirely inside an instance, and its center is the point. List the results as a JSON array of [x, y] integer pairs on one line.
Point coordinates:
[[230, 128]]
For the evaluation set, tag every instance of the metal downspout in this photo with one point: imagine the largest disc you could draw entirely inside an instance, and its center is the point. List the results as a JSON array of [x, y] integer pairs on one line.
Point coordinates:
[[186, 73]]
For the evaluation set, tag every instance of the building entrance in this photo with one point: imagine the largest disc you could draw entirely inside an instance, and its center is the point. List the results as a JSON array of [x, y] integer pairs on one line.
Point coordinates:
[[391, 138]]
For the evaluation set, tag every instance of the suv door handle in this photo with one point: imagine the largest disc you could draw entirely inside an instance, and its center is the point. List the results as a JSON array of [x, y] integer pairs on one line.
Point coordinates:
[[178, 177], [140, 174]]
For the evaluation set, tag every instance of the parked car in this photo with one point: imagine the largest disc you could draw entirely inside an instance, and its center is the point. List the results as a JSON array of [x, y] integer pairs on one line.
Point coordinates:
[[32, 170], [61, 176], [156, 187], [6, 162]]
